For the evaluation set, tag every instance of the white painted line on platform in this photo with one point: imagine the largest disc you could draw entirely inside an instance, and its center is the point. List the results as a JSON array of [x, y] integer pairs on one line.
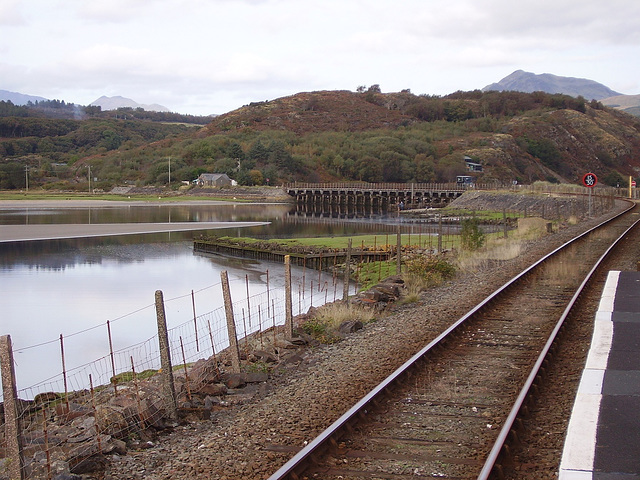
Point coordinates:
[[580, 445], [601, 342], [609, 292], [575, 475]]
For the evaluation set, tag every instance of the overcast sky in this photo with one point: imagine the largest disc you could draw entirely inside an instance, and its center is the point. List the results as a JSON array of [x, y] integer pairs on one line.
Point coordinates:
[[213, 56]]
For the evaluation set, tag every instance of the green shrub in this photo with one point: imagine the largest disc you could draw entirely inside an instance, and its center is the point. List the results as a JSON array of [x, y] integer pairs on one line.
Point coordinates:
[[319, 330], [471, 236], [429, 270]]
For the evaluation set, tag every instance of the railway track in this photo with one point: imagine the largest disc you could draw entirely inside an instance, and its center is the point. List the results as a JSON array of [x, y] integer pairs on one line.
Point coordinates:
[[452, 410]]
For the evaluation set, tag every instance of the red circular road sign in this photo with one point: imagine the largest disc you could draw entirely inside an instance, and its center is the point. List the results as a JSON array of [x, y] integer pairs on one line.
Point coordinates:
[[589, 180]]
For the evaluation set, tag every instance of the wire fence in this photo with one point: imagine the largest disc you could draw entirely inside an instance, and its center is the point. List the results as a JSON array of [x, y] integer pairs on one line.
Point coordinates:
[[64, 421]]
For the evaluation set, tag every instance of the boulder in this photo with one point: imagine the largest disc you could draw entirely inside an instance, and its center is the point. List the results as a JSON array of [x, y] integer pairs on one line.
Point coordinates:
[[204, 371], [350, 326], [213, 389], [234, 380], [263, 356]]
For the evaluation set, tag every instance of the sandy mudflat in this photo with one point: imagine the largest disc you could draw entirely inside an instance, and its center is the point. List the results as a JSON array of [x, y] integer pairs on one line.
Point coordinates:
[[16, 233], [71, 203]]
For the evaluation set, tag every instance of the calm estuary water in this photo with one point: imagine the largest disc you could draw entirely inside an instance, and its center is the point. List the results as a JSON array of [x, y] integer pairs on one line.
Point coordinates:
[[74, 287]]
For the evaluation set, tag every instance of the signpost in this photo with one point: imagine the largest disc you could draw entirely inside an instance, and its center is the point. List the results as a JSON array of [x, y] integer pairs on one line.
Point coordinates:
[[589, 180]]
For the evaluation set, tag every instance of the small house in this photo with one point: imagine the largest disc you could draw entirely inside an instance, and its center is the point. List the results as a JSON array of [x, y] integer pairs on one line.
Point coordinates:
[[214, 180], [471, 165]]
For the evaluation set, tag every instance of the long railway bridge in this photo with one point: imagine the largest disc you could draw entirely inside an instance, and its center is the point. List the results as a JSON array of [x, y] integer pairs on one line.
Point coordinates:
[[374, 196]]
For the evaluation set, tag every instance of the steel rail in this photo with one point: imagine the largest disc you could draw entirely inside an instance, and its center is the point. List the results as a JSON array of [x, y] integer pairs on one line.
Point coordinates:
[[299, 463], [495, 452]]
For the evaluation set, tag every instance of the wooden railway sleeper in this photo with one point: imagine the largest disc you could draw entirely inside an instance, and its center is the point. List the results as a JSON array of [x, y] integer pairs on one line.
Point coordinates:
[[497, 471], [514, 439]]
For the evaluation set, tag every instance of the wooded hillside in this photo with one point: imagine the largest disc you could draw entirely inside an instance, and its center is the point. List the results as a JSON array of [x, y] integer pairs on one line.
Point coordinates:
[[334, 136]]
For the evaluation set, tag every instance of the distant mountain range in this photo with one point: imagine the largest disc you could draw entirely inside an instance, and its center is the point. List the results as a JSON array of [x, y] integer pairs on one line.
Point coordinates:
[[113, 103], [522, 81], [519, 81], [106, 103], [19, 98]]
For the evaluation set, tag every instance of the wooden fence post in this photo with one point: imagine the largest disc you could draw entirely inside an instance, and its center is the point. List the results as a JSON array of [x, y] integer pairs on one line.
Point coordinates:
[[347, 274], [11, 418], [399, 252], [288, 323], [231, 326], [504, 221], [168, 387]]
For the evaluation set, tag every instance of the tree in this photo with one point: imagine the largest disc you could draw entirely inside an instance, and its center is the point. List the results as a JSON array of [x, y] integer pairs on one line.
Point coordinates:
[[369, 169], [110, 139], [225, 165], [424, 169], [235, 151], [256, 177], [614, 179], [258, 152], [396, 167]]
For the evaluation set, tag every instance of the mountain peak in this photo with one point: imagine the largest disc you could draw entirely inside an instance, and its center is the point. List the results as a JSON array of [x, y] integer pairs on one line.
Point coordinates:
[[528, 82], [113, 103]]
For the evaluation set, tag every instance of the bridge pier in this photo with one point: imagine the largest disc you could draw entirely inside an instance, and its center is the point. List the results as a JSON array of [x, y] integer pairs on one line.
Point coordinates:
[[370, 197]]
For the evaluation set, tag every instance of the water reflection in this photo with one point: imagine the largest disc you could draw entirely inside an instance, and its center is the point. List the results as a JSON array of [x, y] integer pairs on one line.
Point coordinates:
[[59, 287]]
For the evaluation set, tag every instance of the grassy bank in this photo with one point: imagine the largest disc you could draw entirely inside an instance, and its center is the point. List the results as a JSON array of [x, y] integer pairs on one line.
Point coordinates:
[[380, 241], [62, 196]]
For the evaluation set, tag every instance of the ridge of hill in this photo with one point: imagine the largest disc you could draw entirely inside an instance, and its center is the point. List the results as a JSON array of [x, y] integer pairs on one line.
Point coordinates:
[[306, 112], [626, 103]]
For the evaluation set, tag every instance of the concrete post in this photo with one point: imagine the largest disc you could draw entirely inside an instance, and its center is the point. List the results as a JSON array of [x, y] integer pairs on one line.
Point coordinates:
[[11, 418], [231, 326], [288, 323], [168, 387]]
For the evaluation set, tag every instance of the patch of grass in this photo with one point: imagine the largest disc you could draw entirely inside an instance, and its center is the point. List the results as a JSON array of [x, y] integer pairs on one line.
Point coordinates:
[[128, 376], [480, 215], [324, 325], [413, 287], [381, 242], [258, 367], [497, 248], [371, 273], [12, 195]]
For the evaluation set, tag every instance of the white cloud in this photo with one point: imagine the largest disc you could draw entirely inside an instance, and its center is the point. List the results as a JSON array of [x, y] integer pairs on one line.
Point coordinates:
[[10, 14], [230, 52]]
